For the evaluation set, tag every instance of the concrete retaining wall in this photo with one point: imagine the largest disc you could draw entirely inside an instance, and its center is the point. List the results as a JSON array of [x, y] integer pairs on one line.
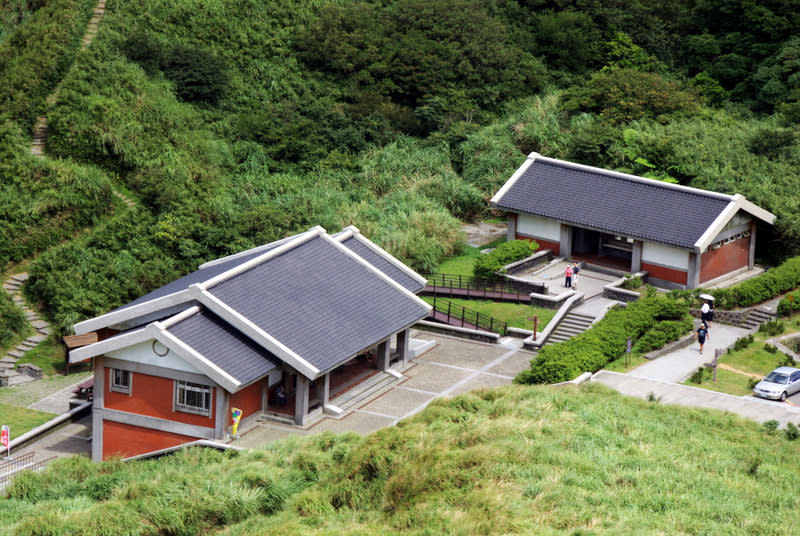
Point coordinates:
[[455, 331], [523, 264]]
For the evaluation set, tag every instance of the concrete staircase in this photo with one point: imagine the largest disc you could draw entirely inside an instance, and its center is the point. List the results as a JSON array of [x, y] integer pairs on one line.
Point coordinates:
[[573, 324], [757, 317], [369, 388]]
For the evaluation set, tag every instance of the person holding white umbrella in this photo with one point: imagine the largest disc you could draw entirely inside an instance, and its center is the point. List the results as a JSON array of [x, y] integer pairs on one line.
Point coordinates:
[[707, 310]]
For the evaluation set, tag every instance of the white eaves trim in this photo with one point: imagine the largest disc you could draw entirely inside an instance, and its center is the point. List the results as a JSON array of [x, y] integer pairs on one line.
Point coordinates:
[[134, 311], [245, 253], [517, 174], [353, 232], [157, 331], [255, 333], [113, 343], [382, 275], [192, 356], [738, 202]]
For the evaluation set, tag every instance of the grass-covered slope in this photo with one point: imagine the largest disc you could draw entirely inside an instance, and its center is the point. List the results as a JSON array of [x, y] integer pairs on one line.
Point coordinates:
[[517, 460]]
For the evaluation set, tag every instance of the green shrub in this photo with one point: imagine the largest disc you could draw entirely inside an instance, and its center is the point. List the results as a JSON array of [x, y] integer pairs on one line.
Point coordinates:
[[789, 305], [771, 426], [792, 432], [632, 283], [12, 319], [772, 328], [768, 285], [699, 375], [663, 332], [199, 74], [770, 348], [490, 266], [604, 342], [742, 343]]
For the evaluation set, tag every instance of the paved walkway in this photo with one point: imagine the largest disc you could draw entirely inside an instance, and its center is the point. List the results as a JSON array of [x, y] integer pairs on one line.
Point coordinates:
[[684, 395], [453, 366], [678, 365], [49, 394]]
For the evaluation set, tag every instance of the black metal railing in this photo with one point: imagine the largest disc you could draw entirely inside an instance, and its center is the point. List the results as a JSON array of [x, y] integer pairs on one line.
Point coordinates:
[[12, 467], [474, 287], [457, 315]]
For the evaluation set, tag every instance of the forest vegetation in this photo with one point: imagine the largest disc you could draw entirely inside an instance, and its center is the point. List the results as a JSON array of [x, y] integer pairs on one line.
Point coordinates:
[[233, 124]]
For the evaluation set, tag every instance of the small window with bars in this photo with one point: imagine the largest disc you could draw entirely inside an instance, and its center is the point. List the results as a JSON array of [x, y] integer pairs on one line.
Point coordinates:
[[121, 381], [192, 397]]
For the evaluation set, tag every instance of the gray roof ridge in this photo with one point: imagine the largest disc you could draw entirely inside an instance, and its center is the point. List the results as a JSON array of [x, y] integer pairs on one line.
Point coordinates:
[[247, 252], [289, 245], [634, 178]]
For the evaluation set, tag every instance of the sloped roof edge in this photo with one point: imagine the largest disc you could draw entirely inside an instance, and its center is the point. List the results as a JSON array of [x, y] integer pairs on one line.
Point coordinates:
[[737, 203], [353, 231]]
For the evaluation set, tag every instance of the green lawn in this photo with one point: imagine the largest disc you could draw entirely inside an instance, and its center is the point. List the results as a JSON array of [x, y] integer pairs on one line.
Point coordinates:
[[21, 420], [48, 355], [619, 365], [463, 264], [516, 315], [727, 382]]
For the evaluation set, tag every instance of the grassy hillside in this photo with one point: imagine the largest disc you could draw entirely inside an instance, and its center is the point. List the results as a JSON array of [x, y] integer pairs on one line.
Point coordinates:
[[517, 460]]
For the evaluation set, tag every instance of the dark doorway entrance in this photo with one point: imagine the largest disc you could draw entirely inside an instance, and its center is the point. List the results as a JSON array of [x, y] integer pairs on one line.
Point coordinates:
[[602, 248]]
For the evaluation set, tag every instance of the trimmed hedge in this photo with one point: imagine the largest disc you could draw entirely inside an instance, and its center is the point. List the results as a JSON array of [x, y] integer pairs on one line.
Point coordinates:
[[601, 344], [786, 307], [663, 332], [12, 319], [766, 286], [490, 266]]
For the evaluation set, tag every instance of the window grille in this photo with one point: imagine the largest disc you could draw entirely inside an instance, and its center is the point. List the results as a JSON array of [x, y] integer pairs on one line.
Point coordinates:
[[121, 380], [192, 397]]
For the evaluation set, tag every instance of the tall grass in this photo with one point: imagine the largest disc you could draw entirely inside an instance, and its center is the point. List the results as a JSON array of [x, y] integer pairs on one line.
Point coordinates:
[[516, 460]]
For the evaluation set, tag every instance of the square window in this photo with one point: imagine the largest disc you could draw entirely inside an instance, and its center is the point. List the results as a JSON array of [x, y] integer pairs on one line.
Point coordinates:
[[192, 397], [121, 380]]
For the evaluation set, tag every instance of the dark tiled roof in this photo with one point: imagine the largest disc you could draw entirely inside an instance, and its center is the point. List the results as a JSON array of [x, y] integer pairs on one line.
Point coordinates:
[[198, 276], [320, 302], [612, 203], [225, 346], [381, 263]]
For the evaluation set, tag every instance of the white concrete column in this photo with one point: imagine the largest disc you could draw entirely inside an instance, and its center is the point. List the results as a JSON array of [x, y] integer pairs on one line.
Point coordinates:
[[402, 345], [693, 274], [326, 389], [301, 400], [636, 256], [751, 256], [97, 419], [219, 409], [383, 356], [565, 244], [511, 220]]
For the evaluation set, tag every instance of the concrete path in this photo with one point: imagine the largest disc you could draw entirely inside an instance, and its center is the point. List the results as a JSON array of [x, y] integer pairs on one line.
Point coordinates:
[[452, 367], [677, 366], [684, 395], [48, 394]]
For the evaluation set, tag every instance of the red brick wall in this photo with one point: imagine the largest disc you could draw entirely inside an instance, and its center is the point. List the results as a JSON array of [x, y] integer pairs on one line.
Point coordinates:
[[152, 396], [726, 258], [667, 274], [125, 440], [248, 400], [543, 244]]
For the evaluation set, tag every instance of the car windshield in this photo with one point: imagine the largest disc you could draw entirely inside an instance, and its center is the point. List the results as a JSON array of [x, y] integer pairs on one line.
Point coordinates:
[[777, 377]]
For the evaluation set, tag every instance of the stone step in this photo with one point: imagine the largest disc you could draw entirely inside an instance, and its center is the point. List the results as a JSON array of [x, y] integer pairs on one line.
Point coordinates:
[[574, 323], [40, 324], [588, 318], [25, 346], [16, 353], [567, 330], [363, 391], [21, 277], [36, 338], [44, 331]]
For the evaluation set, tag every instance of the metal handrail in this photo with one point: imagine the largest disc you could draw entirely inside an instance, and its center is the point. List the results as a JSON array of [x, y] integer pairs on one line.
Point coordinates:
[[506, 289], [462, 315]]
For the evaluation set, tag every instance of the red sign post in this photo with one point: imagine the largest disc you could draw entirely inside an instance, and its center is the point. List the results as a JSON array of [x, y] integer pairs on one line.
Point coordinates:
[[5, 439]]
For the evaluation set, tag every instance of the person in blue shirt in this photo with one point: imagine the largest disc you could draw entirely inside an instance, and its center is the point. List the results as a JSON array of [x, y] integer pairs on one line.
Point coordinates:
[[702, 335]]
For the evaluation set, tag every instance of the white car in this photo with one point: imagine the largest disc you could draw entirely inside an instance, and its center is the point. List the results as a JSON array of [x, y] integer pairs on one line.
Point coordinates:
[[780, 383]]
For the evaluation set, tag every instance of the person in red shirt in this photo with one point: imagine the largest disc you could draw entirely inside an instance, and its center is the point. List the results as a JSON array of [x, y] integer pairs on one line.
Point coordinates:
[[568, 277]]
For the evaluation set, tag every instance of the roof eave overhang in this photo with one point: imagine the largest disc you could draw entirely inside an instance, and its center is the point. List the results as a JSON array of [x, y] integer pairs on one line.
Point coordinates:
[[158, 331], [510, 182], [132, 312], [738, 202]]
